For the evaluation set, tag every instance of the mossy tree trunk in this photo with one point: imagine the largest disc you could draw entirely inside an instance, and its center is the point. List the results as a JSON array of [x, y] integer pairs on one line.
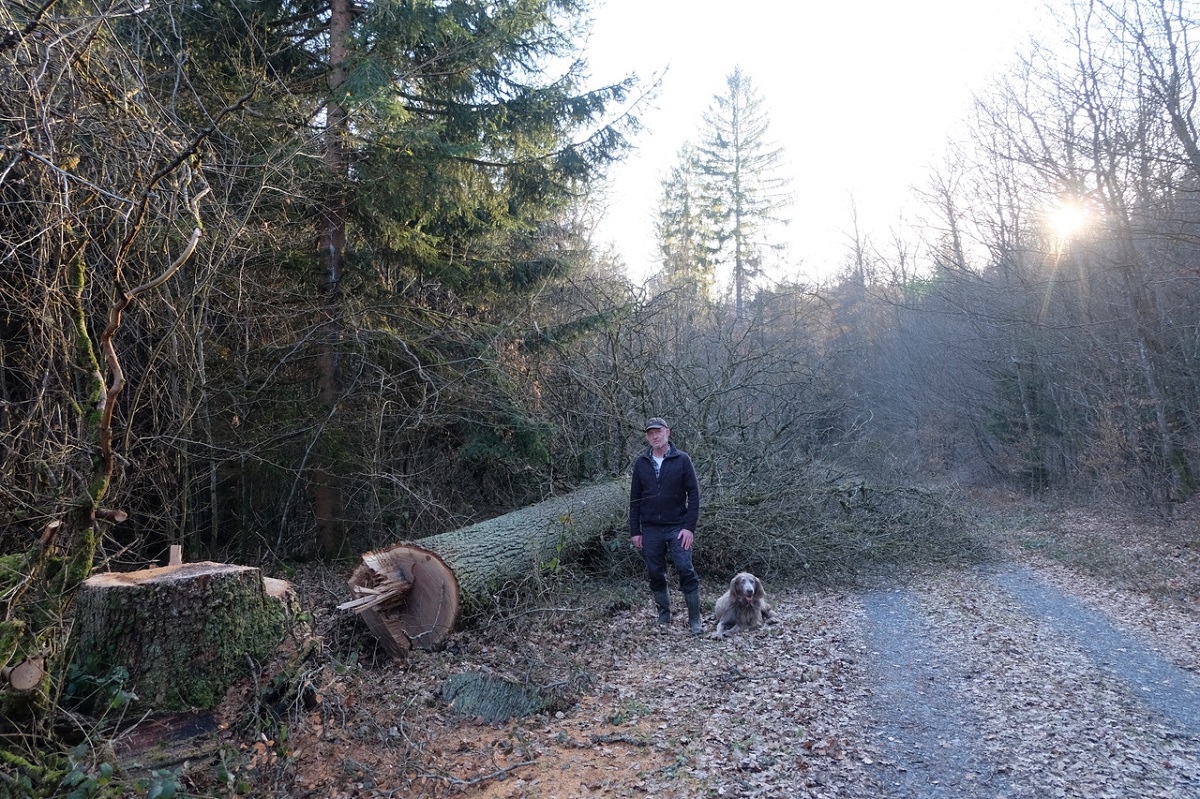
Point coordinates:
[[175, 637]]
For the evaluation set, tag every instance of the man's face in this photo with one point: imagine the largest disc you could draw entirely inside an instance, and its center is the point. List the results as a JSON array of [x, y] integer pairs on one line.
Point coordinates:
[[657, 436]]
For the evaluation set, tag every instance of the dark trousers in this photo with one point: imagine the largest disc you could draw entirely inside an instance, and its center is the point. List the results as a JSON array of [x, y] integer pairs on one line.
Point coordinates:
[[657, 544]]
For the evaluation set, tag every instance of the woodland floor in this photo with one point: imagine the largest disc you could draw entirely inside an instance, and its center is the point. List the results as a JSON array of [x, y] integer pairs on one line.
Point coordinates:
[[1064, 667]]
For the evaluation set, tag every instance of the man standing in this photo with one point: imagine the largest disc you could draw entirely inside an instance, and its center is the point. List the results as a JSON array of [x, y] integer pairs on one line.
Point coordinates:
[[664, 506]]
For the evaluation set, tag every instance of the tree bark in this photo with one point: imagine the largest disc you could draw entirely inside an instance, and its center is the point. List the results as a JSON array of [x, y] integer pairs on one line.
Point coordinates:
[[327, 500], [183, 634], [411, 594]]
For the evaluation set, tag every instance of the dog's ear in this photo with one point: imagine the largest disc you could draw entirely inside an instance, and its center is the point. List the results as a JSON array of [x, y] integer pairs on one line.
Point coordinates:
[[733, 584], [759, 591]]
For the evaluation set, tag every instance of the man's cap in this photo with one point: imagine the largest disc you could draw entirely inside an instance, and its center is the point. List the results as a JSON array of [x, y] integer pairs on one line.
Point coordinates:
[[655, 422]]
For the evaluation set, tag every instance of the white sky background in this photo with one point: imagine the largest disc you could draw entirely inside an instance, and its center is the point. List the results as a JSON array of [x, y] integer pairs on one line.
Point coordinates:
[[862, 96]]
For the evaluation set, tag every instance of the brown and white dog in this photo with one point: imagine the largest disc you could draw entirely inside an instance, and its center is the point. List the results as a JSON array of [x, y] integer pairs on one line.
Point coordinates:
[[743, 607]]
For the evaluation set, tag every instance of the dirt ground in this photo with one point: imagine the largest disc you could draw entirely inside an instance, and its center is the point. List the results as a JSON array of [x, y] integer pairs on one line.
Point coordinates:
[[1066, 667]]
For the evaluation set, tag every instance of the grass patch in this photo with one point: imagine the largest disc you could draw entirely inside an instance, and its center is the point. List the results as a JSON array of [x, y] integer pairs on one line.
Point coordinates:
[[629, 712]]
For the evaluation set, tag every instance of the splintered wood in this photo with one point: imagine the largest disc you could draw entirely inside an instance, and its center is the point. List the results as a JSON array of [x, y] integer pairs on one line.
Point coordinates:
[[407, 596], [380, 589]]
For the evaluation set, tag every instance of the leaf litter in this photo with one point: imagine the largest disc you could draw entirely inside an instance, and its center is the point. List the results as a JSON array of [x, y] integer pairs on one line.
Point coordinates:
[[949, 684]]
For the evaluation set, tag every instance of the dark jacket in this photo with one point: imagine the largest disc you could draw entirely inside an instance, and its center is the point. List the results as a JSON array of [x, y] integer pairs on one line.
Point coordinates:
[[670, 499]]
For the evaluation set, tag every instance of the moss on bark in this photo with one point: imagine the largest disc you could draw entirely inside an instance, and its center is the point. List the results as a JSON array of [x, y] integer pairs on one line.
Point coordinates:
[[182, 635]]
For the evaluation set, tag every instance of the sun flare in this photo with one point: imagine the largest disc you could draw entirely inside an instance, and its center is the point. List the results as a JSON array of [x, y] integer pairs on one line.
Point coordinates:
[[1068, 219]]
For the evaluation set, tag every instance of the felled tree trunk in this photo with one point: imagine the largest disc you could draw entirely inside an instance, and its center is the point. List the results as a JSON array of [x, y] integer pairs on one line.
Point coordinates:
[[177, 636], [411, 594]]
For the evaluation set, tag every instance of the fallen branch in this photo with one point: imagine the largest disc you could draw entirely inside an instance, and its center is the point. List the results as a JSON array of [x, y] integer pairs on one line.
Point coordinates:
[[451, 780]]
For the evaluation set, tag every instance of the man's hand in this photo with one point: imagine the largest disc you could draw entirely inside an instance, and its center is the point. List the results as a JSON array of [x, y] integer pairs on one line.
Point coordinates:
[[686, 537], [636, 541]]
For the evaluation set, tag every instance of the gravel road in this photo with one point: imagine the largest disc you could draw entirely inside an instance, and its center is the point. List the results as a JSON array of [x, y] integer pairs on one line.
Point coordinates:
[[1000, 683]]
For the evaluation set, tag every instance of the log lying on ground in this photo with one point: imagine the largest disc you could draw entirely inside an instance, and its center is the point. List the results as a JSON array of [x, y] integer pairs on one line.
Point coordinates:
[[411, 594], [25, 675], [176, 636]]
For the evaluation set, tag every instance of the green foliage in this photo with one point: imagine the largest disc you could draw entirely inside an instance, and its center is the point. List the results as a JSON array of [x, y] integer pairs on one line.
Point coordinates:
[[11, 633], [470, 139], [579, 329], [687, 237], [85, 783], [554, 565], [741, 185], [490, 697], [29, 777], [99, 694], [629, 712], [78, 774], [163, 783], [519, 442], [469, 144]]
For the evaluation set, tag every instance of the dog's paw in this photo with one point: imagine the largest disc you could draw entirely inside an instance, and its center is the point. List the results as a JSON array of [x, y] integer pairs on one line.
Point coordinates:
[[717, 636]]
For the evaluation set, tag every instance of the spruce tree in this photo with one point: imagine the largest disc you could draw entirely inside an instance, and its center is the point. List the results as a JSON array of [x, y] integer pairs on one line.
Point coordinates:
[[686, 241], [398, 176], [742, 184]]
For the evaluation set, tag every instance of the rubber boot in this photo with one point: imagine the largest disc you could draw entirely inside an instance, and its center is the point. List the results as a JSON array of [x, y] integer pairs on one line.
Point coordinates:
[[693, 605], [663, 600]]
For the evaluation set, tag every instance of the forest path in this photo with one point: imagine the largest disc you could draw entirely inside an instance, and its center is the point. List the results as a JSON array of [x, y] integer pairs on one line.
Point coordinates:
[[1014, 681], [998, 683], [1018, 679]]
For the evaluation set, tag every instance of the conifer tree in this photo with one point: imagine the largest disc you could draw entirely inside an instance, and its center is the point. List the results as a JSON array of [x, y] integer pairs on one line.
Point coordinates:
[[741, 180], [399, 178], [685, 235]]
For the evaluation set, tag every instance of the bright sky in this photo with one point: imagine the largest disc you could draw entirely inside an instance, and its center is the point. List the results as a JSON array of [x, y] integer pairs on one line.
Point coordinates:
[[862, 97]]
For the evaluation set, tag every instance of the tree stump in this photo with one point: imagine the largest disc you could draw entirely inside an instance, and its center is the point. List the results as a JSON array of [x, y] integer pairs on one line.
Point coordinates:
[[176, 637], [411, 594]]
